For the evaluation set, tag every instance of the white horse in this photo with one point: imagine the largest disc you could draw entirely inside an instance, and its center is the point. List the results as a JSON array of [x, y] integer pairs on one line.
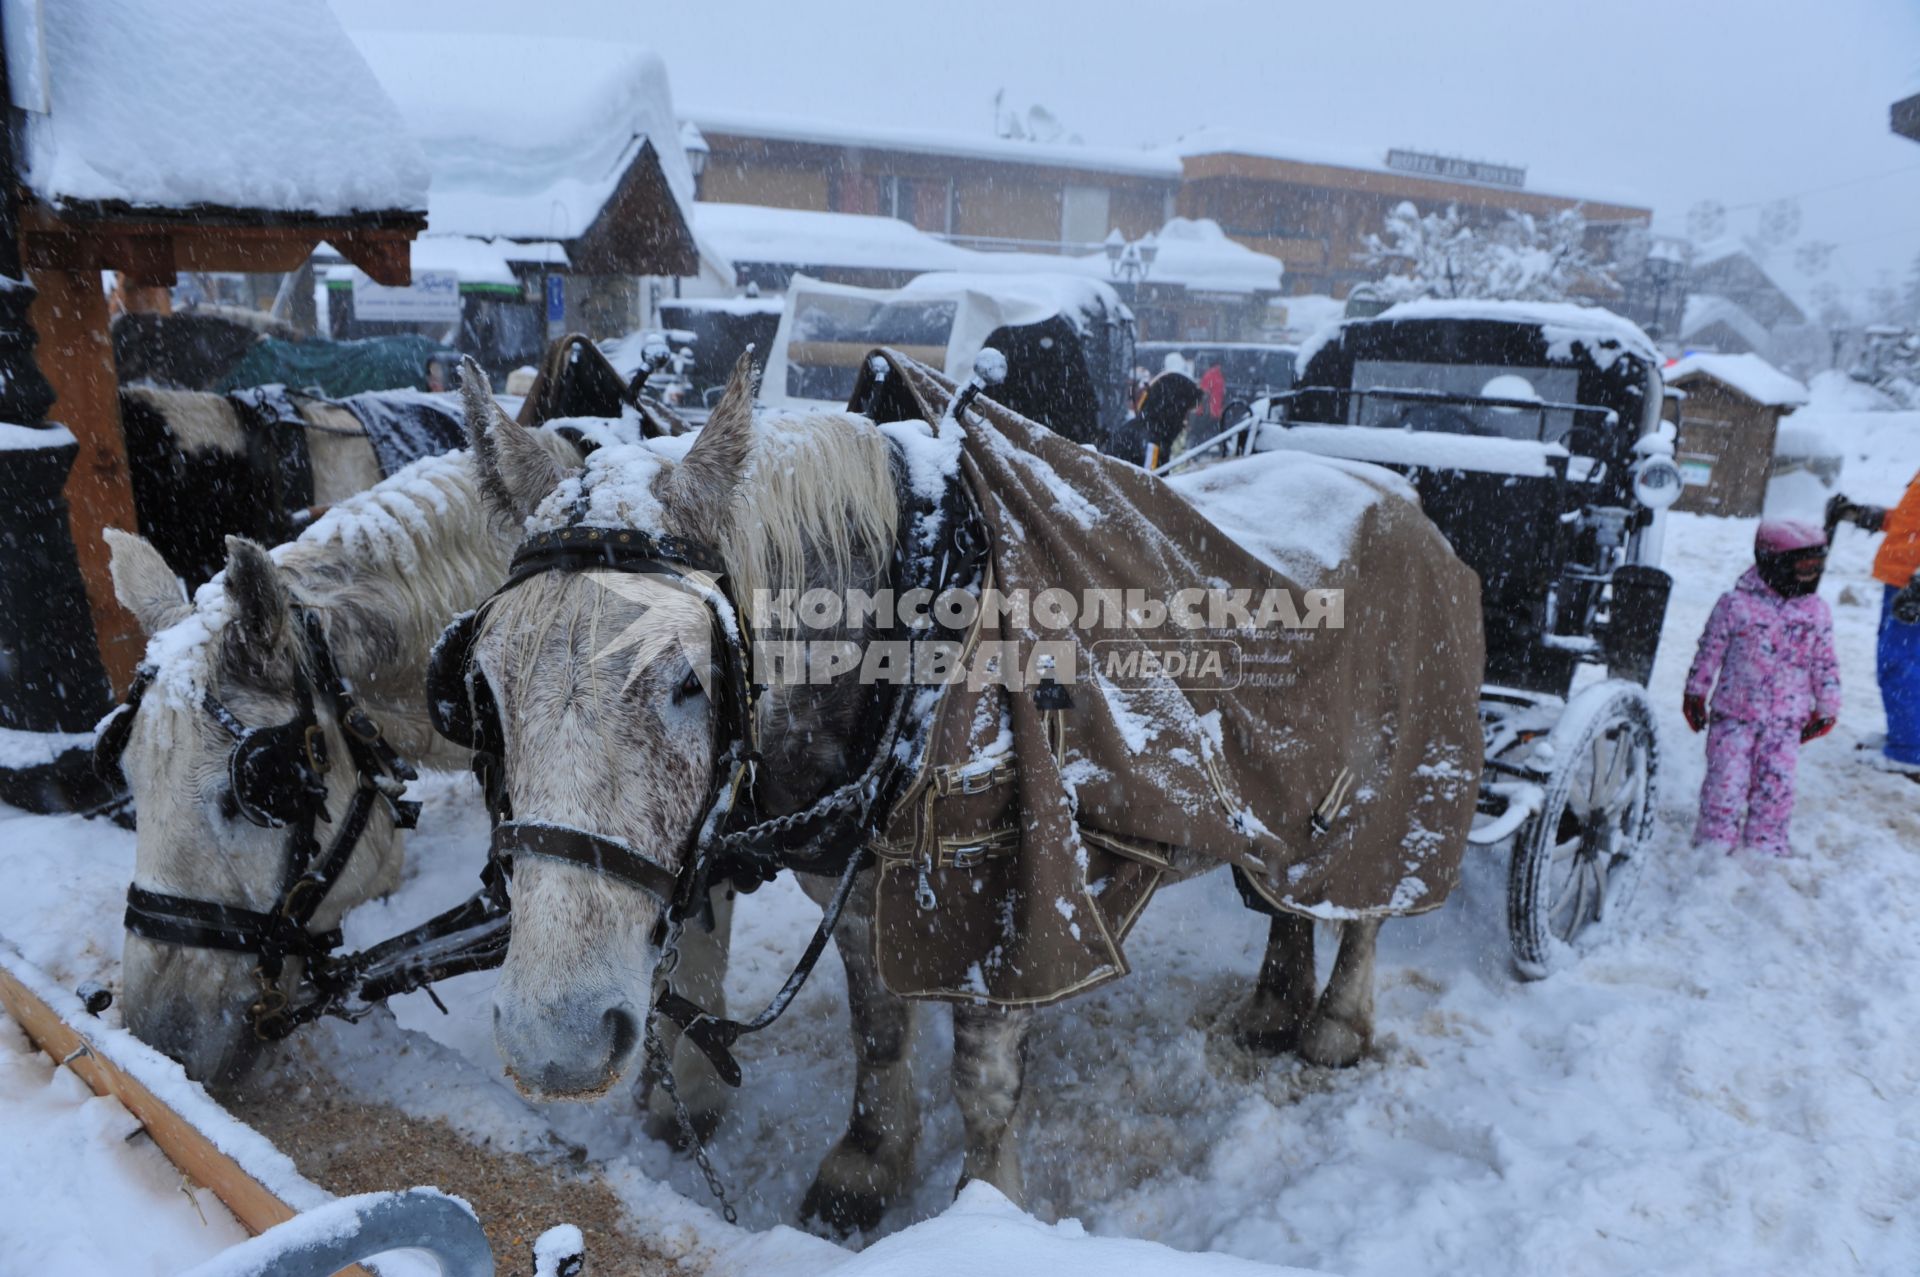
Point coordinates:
[[625, 752], [384, 571]]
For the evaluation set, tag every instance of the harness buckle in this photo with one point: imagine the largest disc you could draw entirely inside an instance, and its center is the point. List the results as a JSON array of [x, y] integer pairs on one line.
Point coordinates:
[[313, 742]]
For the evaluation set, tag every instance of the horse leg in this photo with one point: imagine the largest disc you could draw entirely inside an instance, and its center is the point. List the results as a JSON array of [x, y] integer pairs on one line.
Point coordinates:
[[865, 1172], [989, 1072], [1342, 1028], [1274, 1017], [701, 976]]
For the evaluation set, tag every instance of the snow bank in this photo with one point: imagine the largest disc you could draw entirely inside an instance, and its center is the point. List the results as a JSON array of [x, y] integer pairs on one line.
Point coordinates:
[[80, 1191], [226, 102], [528, 136], [1749, 374], [983, 1233]]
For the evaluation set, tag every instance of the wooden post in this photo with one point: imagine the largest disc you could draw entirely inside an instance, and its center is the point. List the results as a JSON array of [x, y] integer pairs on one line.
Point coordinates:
[[76, 355]]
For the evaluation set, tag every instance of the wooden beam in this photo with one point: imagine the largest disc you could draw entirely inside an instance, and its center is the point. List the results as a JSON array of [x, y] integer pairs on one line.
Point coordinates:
[[255, 1205], [384, 255], [76, 355]]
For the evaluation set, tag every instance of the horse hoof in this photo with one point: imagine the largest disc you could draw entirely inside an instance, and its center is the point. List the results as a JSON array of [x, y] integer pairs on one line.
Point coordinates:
[[666, 1128], [841, 1211], [1266, 1042], [1332, 1044]]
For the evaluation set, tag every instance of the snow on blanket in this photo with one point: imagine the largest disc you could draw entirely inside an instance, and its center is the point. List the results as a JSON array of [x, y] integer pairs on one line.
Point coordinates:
[[1726, 1082]]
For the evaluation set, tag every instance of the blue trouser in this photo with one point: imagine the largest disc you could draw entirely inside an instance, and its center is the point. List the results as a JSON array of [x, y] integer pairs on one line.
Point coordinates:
[[1899, 671]]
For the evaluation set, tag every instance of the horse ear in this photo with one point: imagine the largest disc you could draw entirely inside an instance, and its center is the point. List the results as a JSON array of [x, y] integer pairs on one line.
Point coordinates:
[[516, 473], [706, 477], [143, 582], [258, 596]]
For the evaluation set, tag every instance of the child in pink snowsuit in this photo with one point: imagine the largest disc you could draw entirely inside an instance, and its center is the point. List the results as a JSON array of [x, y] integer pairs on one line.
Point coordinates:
[[1767, 656]]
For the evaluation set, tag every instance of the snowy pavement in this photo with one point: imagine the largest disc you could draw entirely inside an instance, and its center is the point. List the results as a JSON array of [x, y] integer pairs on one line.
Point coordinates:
[[1725, 1083]]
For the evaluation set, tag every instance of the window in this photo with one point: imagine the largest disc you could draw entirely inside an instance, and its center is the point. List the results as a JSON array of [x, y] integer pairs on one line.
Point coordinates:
[[925, 202], [1085, 214]]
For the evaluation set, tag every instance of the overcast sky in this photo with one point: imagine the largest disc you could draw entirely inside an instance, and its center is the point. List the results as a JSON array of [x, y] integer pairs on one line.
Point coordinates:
[[1662, 102]]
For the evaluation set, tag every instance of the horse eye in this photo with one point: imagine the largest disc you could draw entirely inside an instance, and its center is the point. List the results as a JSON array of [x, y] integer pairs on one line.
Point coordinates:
[[229, 805], [688, 689]]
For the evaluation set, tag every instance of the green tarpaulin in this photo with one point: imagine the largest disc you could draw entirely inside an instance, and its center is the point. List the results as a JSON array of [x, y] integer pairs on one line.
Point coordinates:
[[339, 368]]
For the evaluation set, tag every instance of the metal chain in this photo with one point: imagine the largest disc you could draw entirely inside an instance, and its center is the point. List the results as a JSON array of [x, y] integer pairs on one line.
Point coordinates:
[[663, 1068]]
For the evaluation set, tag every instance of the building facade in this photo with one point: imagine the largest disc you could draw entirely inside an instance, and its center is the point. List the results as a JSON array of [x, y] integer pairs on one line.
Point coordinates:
[[984, 192], [1315, 214]]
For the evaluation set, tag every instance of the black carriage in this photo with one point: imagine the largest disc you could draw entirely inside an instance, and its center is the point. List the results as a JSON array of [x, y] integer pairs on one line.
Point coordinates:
[[1532, 434]]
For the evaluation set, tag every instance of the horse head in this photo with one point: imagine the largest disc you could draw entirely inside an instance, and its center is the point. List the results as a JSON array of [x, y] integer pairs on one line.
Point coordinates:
[[240, 647], [607, 687]]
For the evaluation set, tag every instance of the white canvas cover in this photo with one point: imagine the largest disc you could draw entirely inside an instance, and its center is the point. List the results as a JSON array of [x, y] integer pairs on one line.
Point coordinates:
[[942, 320]]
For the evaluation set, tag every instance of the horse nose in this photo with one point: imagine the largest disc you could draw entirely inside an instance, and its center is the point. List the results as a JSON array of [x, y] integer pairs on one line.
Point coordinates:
[[570, 1053]]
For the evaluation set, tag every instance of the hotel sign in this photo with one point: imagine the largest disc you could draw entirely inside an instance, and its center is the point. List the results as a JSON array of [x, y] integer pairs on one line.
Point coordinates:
[[1460, 170]]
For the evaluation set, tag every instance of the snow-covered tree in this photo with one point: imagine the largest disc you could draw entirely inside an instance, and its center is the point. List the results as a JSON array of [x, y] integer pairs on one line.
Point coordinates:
[[1523, 258]]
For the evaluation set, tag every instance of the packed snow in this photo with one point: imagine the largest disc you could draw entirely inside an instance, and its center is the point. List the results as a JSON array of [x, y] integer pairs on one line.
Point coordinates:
[[222, 102], [1726, 1081]]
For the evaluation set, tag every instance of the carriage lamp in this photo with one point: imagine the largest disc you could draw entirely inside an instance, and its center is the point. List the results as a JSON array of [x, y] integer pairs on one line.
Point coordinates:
[[1657, 482]]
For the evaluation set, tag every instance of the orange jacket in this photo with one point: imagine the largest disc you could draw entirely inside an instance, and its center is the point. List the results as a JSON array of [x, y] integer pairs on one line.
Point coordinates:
[[1899, 556]]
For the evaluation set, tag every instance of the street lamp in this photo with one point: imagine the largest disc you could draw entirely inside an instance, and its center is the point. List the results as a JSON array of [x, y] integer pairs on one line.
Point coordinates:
[[694, 143], [1663, 266], [1130, 263]]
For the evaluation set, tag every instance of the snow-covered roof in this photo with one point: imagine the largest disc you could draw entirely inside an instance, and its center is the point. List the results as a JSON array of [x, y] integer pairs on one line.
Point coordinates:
[[1105, 159], [725, 305], [475, 261], [231, 103], [1560, 323], [1219, 140], [1749, 374], [1704, 310], [1196, 254], [803, 237], [528, 136]]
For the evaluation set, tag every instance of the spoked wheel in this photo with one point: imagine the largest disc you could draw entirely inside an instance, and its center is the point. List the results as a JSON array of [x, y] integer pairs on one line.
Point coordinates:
[[1576, 862]]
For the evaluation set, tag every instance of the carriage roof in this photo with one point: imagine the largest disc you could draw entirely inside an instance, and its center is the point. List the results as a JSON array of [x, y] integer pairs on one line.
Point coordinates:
[[1617, 363]]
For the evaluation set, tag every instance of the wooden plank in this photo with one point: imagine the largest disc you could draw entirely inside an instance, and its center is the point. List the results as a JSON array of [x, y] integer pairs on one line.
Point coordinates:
[[252, 1203]]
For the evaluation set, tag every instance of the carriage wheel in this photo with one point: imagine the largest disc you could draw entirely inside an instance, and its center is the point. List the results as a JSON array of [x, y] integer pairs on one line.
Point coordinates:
[[1576, 862]]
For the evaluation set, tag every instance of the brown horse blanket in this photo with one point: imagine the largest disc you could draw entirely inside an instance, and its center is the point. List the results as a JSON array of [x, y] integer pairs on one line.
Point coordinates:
[[1330, 751]]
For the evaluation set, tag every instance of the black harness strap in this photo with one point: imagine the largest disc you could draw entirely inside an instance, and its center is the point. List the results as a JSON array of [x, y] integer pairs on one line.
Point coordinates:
[[206, 924], [577, 846]]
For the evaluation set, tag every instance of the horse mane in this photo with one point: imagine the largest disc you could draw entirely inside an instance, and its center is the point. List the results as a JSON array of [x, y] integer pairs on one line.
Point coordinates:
[[817, 503], [386, 569]]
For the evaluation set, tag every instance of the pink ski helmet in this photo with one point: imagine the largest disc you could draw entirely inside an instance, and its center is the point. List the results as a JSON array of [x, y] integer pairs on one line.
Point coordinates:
[[1783, 536]]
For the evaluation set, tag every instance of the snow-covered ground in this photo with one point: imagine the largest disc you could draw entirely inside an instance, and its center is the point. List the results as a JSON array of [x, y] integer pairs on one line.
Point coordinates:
[[1725, 1083]]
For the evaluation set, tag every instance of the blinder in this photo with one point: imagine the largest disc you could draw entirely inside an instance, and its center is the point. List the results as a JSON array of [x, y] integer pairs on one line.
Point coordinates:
[[277, 773]]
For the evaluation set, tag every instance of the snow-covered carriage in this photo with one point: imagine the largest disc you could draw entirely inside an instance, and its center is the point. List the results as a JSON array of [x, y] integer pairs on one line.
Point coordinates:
[[1532, 433]]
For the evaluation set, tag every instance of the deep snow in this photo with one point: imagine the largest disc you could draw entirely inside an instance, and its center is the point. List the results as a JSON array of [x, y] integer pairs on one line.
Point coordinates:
[[1724, 1083]]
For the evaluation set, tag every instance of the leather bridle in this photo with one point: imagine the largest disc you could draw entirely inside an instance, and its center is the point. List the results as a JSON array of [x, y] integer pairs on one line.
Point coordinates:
[[276, 779]]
